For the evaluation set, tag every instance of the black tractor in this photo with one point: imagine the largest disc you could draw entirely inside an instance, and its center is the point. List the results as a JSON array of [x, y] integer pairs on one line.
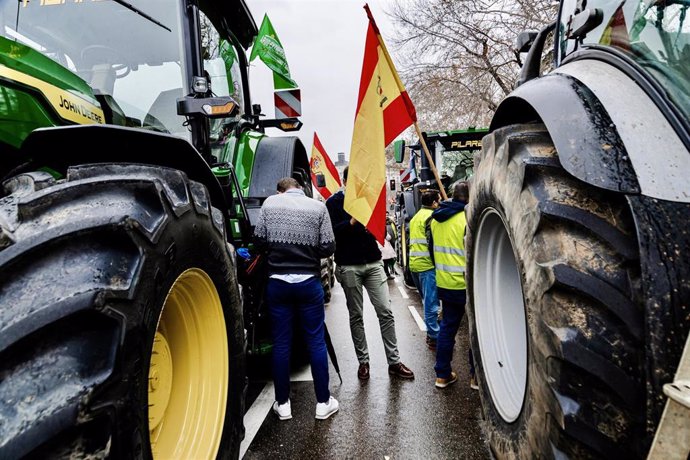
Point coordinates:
[[578, 274]]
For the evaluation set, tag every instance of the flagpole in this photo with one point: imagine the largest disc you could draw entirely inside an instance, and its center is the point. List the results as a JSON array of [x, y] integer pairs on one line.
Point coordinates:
[[441, 188], [404, 93]]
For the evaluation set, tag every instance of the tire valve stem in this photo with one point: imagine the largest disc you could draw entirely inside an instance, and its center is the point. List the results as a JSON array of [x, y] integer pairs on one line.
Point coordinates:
[[500, 364]]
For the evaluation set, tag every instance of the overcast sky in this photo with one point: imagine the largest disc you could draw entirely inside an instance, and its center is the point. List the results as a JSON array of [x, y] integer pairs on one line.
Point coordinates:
[[324, 46]]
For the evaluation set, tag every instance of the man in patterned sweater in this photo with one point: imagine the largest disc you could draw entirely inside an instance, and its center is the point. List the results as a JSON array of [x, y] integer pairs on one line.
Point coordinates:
[[295, 231]]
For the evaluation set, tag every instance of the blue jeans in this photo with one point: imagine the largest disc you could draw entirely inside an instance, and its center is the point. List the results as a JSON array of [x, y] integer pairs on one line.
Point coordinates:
[[305, 300], [427, 281], [453, 309]]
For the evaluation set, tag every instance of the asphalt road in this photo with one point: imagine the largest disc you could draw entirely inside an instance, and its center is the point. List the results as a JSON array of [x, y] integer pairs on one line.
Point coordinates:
[[383, 418]]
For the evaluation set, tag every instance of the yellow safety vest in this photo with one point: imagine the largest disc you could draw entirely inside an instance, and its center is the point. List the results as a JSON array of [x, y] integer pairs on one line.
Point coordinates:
[[449, 251], [420, 259]]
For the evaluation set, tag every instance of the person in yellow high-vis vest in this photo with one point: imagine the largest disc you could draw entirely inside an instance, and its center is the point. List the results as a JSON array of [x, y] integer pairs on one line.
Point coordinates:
[[422, 265], [448, 228]]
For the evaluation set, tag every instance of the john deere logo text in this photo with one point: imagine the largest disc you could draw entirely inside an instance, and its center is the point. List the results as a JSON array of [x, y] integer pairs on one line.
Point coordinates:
[[465, 144], [79, 109]]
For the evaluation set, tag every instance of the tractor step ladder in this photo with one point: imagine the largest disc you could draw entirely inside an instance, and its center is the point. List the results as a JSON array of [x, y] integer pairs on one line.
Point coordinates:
[[672, 439]]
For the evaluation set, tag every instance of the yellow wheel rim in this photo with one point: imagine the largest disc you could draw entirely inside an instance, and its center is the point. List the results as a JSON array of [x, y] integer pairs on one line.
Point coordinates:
[[188, 375]]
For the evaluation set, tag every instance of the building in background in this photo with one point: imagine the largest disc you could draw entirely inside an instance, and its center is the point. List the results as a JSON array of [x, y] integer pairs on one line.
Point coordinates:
[[341, 163]]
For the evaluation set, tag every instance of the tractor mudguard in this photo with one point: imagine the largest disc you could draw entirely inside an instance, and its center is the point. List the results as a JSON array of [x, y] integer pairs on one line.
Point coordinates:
[[61, 147], [608, 132], [587, 142], [277, 157], [656, 148]]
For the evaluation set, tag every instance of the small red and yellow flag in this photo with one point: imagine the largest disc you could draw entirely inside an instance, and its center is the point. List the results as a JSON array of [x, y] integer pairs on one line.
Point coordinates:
[[384, 110], [616, 31], [320, 163]]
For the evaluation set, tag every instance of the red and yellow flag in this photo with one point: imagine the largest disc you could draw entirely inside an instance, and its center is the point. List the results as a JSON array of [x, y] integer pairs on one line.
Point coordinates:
[[384, 110], [320, 163], [616, 31]]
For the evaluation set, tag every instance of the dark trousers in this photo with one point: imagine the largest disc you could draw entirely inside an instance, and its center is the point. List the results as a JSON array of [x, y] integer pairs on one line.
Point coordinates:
[[389, 266], [305, 299], [453, 307]]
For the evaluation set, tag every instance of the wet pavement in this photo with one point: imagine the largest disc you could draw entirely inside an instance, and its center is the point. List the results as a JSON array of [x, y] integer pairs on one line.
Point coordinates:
[[382, 418]]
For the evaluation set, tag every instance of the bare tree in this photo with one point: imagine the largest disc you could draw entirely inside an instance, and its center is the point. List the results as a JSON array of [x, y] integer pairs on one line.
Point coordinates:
[[458, 58]]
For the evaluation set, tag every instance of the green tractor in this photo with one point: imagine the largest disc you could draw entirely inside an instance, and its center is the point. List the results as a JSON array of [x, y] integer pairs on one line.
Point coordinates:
[[578, 272], [131, 164], [453, 155]]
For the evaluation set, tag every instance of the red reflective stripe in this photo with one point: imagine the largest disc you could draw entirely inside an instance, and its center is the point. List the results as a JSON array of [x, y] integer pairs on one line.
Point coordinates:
[[285, 107]]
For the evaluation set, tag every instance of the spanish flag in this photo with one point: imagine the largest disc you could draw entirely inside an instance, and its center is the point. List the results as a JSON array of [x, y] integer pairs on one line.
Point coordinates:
[[320, 163], [384, 110], [616, 31]]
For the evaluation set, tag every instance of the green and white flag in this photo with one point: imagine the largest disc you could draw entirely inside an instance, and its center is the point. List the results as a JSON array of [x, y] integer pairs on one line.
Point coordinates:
[[268, 48], [229, 57]]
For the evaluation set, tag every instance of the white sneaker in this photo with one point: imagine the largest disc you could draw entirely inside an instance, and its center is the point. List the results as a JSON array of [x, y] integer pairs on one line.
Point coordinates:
[[283, 411], [325, 410]]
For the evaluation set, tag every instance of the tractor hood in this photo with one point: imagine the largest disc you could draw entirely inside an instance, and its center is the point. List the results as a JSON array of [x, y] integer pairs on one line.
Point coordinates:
[[17, 58], [39, 92]]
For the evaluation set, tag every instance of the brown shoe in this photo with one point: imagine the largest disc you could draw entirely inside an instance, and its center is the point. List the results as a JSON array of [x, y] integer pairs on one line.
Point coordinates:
[[400, 370], [431, 343], [442, 383], [363, 371]]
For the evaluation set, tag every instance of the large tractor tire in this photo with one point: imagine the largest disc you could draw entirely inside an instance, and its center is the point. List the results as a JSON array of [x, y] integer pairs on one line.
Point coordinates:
[[555, 321], [121, 332]]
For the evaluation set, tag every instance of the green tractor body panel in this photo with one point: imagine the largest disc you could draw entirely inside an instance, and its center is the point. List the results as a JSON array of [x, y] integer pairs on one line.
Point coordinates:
[[26, 60], [22, 114], [37, 92], [247, 146]]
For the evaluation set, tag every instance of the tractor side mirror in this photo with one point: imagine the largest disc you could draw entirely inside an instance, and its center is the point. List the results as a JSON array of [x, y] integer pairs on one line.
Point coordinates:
[[524, 41], [320, 180]]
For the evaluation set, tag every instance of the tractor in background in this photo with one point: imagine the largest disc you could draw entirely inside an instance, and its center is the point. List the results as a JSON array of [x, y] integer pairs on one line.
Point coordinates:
[[453, 154]]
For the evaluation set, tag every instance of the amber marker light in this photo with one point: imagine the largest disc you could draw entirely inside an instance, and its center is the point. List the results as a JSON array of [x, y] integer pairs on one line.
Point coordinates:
[[213, 110]]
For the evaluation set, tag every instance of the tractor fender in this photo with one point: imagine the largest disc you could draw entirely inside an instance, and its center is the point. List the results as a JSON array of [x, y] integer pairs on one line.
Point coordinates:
[[608, 132], [587, 142], [277, 157], [65, 146]]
